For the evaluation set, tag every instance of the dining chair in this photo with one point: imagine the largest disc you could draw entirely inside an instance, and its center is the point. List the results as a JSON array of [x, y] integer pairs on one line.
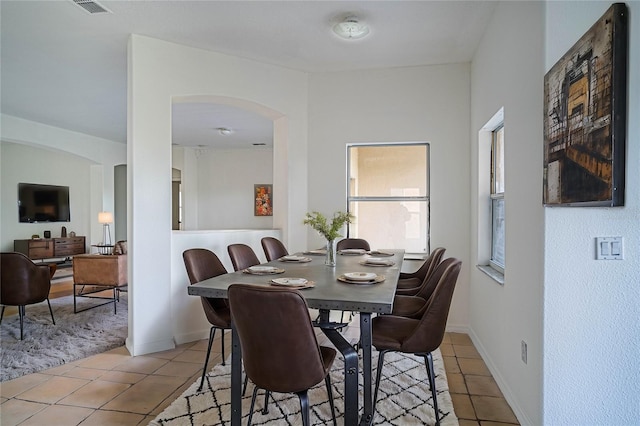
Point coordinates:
[[273, 248], [280, 352], [23, 282], [414, 306], [202, 264], [353, 243], [415, 279], [242, 256], [416, 336]]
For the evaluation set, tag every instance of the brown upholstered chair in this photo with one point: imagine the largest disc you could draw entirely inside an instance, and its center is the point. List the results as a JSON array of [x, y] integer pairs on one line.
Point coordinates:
[[22, 283], [96, 273], [273, 248], [279, 346], [414, 306], [202, 264], [411, 281], [353, 243], [242, 256], [416, 336]]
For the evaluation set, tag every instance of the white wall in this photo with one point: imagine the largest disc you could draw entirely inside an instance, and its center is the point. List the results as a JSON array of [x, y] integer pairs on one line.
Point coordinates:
[[23, 163], [592, 308], [159, 71], [222, 183], [396, 105], [188, 321], [46, 143], [507, 72]]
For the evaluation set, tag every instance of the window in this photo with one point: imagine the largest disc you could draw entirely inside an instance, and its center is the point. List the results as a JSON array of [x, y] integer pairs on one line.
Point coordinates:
[[497, 199], [388, 192]]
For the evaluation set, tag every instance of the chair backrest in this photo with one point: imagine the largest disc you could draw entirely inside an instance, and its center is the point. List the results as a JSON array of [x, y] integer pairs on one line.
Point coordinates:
[[22, 282], [429, 265], [280, 351], [353, 243], [430, 283], [428, 335], [242, 256], [202, 264], [273, 248]]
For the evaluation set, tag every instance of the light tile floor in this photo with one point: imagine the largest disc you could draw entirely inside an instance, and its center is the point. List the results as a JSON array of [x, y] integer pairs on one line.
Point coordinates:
[[114, 388]]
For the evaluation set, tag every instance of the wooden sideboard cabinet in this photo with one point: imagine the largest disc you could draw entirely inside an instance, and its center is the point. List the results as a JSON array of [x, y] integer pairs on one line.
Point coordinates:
[[46, 248], [68, 246]]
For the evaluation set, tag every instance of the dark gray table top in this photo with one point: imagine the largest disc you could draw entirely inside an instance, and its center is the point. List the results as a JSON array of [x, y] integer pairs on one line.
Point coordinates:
[[328, 293]]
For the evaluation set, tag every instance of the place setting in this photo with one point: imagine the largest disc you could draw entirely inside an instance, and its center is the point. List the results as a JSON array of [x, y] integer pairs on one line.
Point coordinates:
[[297, 283], [377, 261], [352, 252], [295, 259], [381, 253], [317, 252], [263, 270], [361, 278]]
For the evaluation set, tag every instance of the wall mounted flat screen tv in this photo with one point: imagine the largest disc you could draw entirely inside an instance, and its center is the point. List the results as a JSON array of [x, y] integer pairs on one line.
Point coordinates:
[[43, 203]]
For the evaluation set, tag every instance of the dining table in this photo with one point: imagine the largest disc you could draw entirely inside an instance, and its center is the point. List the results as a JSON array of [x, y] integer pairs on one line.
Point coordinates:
[[330, 290]]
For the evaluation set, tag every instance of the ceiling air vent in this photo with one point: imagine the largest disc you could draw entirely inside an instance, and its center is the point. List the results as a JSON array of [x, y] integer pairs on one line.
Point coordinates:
[[91, 6]]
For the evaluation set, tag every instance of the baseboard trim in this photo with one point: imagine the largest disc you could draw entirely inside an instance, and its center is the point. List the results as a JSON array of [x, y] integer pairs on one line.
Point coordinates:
[[523, 419], [193, 336], [149, 348]]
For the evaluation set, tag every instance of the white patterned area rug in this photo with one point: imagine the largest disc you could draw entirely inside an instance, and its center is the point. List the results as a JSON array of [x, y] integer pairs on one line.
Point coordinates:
[[404, 398]]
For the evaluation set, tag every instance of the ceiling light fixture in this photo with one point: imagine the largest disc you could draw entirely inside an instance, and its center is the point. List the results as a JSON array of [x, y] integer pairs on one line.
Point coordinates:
[[351, 29], [224, 131]]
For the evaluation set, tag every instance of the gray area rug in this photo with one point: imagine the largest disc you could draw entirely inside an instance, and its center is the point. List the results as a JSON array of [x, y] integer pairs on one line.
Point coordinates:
[[404, 398], [74, 336]]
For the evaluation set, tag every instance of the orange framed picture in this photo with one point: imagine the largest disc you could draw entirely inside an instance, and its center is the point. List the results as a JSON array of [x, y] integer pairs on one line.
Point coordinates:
[[263, 195]]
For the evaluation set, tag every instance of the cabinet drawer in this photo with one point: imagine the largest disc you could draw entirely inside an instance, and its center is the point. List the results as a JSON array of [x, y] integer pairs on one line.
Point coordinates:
[[35, 249], [40, 244], [69, 246], [40, 249]]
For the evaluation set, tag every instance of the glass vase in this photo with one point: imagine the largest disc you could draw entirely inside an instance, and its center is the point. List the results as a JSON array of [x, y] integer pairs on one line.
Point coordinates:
[[330, 258]]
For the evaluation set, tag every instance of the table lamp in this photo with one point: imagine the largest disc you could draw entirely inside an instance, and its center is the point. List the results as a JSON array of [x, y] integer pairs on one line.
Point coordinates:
[[105, 218]]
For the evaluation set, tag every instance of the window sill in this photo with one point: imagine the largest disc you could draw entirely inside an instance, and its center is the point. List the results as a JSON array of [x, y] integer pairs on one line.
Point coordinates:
[[492, 273]]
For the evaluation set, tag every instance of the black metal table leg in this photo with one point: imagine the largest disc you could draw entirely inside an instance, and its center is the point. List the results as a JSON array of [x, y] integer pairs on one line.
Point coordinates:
[[350, 371], [236, 378], [365, 342]]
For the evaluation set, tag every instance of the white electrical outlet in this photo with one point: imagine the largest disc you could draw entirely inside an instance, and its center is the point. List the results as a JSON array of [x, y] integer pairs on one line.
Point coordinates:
[[523, 350]]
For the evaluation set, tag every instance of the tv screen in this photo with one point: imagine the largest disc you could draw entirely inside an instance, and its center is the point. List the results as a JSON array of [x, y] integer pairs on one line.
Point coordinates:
[[43, 203]]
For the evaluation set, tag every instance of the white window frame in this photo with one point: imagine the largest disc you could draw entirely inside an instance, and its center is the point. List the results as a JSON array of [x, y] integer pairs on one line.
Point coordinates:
[[486, 197], [496, 194], [425, 198]]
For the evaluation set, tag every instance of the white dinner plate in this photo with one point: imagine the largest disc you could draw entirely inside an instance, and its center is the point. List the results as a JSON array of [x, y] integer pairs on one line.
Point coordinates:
[[291, 258], [353, 251], [294, 282], [317, 252], [381, 253], [377, 262], [262, 268], [360, 276]]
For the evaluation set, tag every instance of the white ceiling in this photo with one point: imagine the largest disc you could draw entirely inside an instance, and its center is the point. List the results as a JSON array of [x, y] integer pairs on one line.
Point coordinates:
[[64, 67]]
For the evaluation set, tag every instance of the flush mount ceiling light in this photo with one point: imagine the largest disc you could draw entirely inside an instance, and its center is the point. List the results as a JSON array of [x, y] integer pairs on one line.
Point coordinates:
[[351, 29], [224, 131]]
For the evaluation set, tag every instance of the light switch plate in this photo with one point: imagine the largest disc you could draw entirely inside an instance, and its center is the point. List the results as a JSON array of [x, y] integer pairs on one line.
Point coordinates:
[[609, 248]]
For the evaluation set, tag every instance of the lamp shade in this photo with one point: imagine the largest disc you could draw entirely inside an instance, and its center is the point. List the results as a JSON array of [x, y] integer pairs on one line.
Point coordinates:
[[105, 217]]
